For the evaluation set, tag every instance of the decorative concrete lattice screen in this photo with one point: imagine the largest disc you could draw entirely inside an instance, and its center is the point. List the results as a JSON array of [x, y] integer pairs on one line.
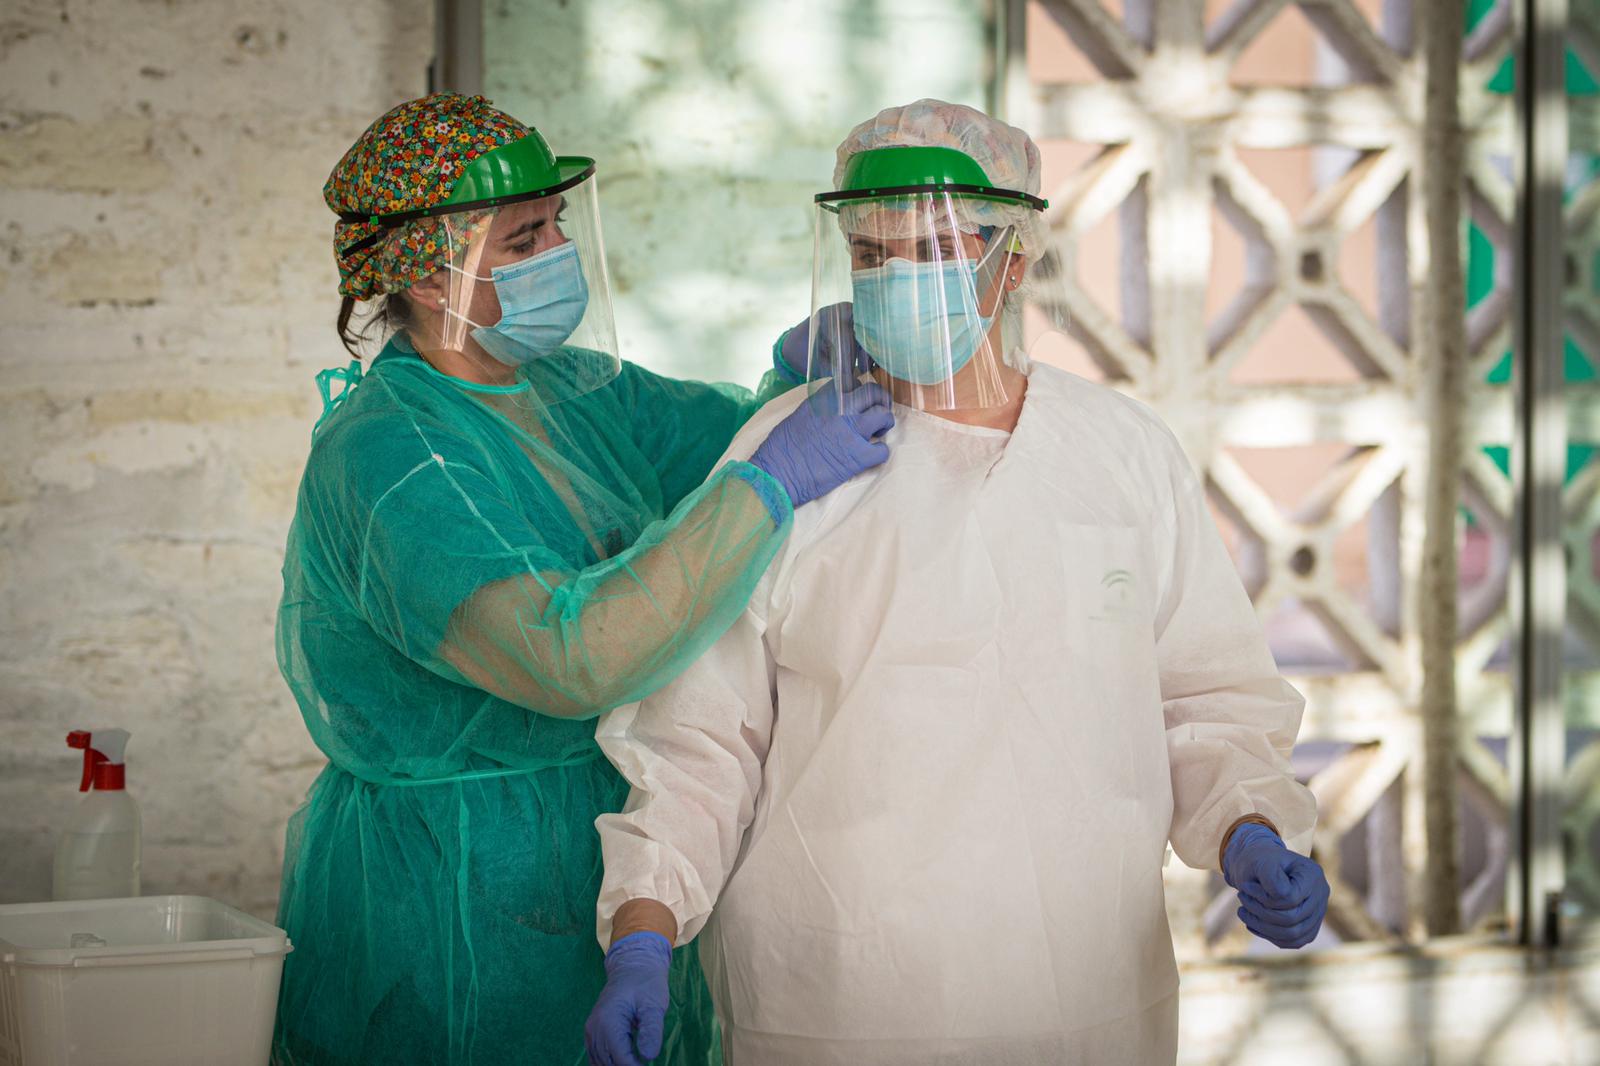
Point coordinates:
[[1169, 120]]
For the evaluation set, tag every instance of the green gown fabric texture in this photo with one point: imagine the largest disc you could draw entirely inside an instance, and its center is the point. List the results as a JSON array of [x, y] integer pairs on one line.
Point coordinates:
[[472, 575]]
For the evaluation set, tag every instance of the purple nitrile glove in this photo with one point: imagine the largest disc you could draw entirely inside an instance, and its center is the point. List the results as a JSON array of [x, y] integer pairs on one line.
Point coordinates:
[[1283, 897], [632, 1008], [826, 441], [835, 335]]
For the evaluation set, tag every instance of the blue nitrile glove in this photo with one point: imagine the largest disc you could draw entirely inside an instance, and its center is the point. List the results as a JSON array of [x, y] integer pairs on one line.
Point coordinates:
[[633, 1005], [1283, 897], [826, 441], [835, 333]]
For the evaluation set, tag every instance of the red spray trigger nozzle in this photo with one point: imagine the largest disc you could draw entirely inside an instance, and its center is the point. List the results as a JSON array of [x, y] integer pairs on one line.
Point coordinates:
[[79, 738]]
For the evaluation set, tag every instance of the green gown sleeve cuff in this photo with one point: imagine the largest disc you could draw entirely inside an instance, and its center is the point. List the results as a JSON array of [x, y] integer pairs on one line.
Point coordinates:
[[780, 365], [772, 494]]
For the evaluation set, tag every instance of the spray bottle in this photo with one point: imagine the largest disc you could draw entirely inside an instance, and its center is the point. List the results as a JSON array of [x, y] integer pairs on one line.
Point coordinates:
[[97, 856]]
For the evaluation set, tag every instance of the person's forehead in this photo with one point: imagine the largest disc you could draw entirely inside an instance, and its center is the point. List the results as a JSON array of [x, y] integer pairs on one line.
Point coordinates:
[[875, 220], [512, 217], [898, 222]]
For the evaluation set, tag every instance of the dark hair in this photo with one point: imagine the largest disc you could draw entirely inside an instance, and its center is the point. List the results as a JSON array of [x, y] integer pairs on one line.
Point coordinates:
[[387, 314]]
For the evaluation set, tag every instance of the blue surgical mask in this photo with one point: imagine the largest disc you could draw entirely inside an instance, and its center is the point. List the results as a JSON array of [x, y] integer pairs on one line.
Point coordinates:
[[542, 300], [919, 321]]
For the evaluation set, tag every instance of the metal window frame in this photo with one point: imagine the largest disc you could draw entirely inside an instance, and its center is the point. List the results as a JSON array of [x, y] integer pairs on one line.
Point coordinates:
[[457, 47], [1538, 587], [1008, 74]]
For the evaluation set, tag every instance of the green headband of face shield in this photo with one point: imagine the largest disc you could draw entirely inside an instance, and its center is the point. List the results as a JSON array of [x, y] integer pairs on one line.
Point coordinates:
[[881, 173], [522, 170]]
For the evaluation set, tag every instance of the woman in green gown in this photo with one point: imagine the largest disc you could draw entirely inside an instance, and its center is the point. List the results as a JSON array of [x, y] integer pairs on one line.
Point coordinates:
[[502, 531]]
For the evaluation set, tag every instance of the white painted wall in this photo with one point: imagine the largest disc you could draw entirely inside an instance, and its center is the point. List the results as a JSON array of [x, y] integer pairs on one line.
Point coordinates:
[[167, 290]]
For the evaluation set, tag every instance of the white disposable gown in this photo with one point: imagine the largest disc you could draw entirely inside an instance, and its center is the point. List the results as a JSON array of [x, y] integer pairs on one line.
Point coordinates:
[[928, 779]]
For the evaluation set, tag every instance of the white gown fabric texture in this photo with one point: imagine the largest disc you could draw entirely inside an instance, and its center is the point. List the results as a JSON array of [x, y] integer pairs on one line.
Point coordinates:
[[928, 779]]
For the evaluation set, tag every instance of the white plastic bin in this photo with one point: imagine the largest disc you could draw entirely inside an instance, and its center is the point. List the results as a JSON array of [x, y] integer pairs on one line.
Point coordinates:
[[150, 981]]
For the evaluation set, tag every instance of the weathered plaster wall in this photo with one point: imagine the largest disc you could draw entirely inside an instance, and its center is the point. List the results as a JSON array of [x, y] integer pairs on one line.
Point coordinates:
[[166, 293]]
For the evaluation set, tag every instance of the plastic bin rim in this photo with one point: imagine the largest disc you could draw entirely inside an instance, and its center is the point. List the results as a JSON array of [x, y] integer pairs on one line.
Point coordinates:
[[271, 941]]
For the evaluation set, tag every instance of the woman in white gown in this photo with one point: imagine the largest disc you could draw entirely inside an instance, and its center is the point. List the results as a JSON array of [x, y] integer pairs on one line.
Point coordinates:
[[915, 803]]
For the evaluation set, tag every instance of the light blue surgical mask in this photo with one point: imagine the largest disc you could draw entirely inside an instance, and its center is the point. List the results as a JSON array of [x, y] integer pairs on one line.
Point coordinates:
[[542, 300], [919, 321]]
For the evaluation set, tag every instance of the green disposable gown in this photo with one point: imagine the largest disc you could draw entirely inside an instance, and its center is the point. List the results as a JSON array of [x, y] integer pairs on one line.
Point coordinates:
[[473, 574]]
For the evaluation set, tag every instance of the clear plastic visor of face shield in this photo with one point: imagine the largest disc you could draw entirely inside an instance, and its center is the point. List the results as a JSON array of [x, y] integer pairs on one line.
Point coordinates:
[[525, 291], [924, 289]]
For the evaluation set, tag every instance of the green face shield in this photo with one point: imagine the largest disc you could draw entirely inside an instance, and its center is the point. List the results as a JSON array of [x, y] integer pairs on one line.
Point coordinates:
[[918, 256], [522, 282]]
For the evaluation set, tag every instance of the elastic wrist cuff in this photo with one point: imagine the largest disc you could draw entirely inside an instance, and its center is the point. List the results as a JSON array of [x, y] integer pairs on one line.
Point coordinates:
[[781, 365], [772, 493]]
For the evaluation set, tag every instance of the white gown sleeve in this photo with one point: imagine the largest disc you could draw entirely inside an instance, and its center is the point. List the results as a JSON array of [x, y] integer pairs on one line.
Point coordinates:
[[1231, 719], [693, 754]]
